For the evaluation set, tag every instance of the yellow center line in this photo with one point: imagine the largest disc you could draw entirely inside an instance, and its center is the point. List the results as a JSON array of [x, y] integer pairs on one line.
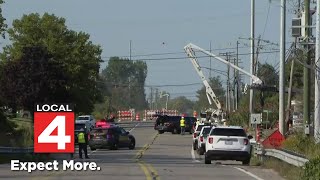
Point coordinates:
[[145, 170], [148, 170], [153, 171]]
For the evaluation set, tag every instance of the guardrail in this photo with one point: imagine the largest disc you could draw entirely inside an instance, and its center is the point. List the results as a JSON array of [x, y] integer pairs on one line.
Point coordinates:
[[15, 150], [289, 157]]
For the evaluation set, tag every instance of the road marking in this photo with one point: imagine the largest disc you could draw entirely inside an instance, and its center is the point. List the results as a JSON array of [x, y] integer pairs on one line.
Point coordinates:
[[193, 155], [154, 173], [248, 173], [134, 127], [145, 170], [149, 171]]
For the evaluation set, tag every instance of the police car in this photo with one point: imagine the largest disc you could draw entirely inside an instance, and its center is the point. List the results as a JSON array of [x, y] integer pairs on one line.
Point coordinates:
[[228, 143], [201, 146], [196, 133]]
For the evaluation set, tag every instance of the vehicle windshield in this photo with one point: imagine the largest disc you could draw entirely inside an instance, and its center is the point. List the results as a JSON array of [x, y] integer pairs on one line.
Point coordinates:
[[79, 126], [228, 132], [199, 127], [83, 118], [206, 131]]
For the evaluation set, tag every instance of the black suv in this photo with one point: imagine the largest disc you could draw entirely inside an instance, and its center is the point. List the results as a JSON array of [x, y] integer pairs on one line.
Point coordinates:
[[113, 137], [171, 124]]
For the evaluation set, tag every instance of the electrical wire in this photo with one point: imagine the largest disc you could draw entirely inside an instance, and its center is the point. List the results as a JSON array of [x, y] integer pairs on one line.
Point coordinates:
[[206, 56]]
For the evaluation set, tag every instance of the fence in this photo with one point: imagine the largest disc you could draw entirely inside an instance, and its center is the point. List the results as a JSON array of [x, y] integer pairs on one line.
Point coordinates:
[[148, 114], [289, 157]]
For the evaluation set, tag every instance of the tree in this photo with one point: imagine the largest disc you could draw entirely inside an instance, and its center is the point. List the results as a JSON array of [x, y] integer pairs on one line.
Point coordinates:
[[35, 77], [181, 104], [267, 74], [216, 85], [78, 55], [3, 25], [125, 80]]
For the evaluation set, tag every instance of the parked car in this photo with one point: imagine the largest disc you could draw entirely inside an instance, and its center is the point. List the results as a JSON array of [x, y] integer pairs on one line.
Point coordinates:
[[201, 146], [195, 135], [113, 137], [86, 118], [171, 124], [228, 143]]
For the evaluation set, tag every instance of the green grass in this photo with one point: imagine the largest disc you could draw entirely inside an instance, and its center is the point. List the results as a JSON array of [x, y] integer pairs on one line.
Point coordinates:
[[286, 170], [21, 136]]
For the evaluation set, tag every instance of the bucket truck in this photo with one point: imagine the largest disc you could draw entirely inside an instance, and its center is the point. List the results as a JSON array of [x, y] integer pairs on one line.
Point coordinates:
[[215, 115]]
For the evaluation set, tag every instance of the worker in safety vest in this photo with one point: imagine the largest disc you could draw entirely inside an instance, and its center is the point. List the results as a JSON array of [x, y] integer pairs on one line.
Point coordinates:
[[83, 141], [182, 125]]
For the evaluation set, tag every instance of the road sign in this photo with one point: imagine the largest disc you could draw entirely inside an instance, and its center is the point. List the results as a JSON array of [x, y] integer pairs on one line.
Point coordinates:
[[256, 118]]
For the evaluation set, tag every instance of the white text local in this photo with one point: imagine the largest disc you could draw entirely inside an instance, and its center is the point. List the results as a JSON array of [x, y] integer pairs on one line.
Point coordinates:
[[54, 108]]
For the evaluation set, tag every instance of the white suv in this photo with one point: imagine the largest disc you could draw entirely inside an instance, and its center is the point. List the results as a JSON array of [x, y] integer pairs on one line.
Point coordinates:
[[195, 135], [85, 119], [228, 143], [201, 146]]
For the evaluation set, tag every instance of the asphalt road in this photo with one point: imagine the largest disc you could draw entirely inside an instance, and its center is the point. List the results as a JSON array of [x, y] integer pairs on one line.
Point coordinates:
[[163, 156]]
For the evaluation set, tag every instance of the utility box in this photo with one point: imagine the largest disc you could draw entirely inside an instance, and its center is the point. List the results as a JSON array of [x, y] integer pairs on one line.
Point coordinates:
[[296, 27], [307, 129]]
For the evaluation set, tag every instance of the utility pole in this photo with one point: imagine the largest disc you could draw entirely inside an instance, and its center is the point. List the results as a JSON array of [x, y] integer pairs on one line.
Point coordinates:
[[234, 86], [156, 98], [252, 51], [228, 85], [237, 77], [282, 64], [317, 79], [306, 71], [289, 95], [130, 78], [210, 65], [255, 70], [151, 98], [130, 49]]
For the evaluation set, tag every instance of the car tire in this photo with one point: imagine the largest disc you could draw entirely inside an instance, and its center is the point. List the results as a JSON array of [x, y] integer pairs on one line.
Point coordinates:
[[207, 160], [201, 151], [175, 131], [92, 148], [161, 132], [132, 144], [246, 162]]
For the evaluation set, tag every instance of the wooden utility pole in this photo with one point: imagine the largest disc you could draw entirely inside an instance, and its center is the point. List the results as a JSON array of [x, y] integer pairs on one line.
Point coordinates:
[[306, 71]]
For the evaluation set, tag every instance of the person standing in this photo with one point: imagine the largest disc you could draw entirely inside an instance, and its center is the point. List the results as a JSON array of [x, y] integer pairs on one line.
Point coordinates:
[[182, 125], [83, 141]]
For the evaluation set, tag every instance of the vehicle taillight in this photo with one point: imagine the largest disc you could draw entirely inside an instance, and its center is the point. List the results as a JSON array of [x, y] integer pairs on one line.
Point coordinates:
[[245, 141], [210, 140], [194, 135], [201, 139]]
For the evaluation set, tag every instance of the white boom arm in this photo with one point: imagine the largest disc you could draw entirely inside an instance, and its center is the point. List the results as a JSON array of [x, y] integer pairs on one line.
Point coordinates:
[[209, 92], [190, 46]]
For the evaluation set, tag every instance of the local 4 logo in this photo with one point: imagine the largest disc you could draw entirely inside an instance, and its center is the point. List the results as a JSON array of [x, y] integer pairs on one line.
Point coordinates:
[[53, 128]]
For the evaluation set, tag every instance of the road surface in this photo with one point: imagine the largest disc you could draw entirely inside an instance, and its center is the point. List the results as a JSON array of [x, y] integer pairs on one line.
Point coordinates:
[[157, 156]]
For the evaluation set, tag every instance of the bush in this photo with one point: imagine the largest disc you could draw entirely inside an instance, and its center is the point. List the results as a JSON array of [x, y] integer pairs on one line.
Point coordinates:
[[302, 144], [312, 169]]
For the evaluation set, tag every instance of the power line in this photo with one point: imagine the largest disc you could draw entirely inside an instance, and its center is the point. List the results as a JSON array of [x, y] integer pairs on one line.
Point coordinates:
[[162, 85], [181, 52], [198, 57]]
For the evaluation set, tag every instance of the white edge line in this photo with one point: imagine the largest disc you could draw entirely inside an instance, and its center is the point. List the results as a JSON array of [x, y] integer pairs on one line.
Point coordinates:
[[193, 155], [248, 173], [134, 127]]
